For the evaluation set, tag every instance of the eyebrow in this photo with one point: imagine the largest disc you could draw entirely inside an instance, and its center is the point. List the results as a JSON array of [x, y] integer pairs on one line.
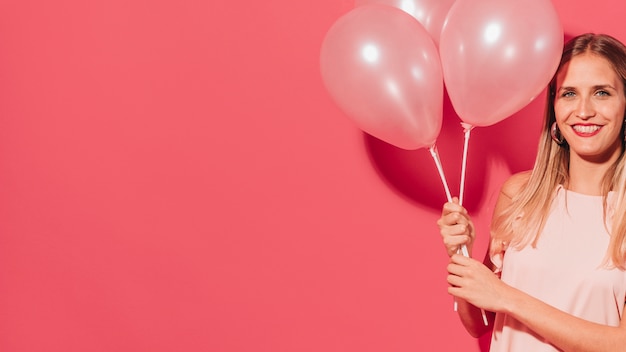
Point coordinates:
[[596, 87]]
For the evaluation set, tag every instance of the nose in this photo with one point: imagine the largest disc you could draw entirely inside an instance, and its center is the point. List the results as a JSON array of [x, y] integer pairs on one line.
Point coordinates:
[[585, 109]]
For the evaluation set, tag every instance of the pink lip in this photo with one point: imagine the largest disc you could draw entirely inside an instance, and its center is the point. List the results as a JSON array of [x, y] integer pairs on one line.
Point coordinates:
[[586, 134]]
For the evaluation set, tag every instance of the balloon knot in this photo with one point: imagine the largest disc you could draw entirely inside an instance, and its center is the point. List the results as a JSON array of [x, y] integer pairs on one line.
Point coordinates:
[[466, 126]]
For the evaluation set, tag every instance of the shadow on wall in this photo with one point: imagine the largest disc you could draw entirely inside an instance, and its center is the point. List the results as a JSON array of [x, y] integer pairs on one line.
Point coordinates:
[[413, 173]]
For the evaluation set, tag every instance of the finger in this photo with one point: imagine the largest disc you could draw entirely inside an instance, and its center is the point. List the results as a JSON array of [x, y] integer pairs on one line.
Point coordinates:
[[454, 218], [457, 292], [460, 260], [454, 242], [454, 281], [455, 269], [453, 206], [458, 231]]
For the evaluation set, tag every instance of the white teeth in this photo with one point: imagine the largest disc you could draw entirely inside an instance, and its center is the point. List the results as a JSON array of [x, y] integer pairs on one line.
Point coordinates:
[[585, 129]]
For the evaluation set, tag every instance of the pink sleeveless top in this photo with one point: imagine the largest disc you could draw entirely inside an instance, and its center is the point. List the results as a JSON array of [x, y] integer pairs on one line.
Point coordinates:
[[565, 271]]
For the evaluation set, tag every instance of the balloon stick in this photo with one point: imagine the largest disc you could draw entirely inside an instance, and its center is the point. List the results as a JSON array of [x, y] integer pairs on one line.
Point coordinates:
[[467, 128], [435, 154]]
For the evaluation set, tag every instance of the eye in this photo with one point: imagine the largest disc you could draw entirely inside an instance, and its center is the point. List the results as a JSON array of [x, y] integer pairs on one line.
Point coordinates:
[[568, 94], [603, 93]]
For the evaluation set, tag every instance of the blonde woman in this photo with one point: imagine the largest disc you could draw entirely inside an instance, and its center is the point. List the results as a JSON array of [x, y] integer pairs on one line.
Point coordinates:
[[554, 278]]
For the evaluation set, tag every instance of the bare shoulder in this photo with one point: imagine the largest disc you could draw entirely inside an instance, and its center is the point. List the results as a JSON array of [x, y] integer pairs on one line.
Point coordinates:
[[514, 184]]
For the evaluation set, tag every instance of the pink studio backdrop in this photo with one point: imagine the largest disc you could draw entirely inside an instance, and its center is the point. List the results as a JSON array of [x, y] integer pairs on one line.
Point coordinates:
[[174, 177]]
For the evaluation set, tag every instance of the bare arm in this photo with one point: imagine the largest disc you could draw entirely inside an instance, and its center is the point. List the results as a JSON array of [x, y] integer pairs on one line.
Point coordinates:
[[473, 282], [562, 329]]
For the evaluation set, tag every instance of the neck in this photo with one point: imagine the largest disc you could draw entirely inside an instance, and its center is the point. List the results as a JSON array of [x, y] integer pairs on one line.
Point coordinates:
[[586, 177]]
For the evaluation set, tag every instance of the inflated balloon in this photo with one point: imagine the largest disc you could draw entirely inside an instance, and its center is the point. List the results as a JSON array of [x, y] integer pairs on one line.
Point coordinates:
[[382, 69], [498, 55], [430, 13]]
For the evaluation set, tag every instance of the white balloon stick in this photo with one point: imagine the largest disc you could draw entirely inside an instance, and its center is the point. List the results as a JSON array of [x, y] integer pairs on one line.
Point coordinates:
[[435, 155]]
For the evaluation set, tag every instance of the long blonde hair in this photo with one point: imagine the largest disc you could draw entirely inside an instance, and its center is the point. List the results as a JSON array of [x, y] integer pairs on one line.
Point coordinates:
[[551, 168]]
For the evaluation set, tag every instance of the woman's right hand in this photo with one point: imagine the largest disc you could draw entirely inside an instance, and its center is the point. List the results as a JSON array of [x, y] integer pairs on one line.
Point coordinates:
[[456, 227]]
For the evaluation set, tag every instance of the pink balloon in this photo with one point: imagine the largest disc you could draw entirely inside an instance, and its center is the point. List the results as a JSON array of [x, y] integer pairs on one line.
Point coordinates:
[[498, 55], [382, 69], [430, 13]]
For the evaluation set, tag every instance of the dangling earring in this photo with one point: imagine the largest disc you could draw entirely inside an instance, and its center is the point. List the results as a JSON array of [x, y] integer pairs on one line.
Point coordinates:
[[556, 134]]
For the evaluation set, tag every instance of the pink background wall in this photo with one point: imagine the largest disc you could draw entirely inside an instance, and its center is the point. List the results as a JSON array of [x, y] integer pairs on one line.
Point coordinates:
[[174, 177]]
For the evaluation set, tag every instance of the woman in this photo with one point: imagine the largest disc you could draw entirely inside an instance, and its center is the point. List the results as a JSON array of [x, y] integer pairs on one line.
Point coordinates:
[[558, 241]]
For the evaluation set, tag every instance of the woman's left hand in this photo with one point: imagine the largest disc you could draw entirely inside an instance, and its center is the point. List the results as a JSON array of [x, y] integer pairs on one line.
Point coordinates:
[[472, 281]]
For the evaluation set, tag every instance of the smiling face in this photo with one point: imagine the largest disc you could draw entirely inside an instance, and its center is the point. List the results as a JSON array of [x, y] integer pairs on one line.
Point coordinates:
[[589, 107]]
